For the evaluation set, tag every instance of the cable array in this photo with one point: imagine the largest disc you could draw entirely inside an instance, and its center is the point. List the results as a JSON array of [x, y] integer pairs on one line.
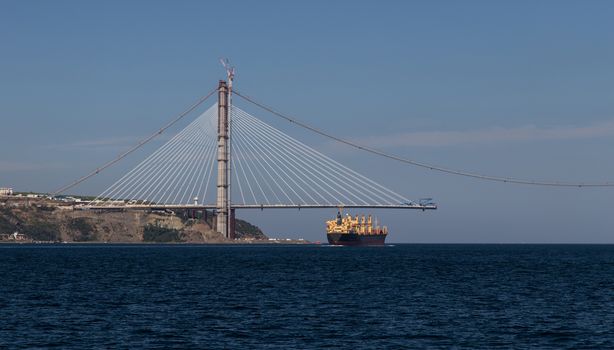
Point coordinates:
[[271, 167], [422, 164], [135, 147], [268, 168], [179, 172]]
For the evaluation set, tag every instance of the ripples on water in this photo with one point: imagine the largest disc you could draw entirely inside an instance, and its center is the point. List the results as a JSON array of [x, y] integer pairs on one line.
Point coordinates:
[[297, 297]]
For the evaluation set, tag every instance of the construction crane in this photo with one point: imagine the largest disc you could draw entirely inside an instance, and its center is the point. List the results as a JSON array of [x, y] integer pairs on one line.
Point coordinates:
[[230, 72]]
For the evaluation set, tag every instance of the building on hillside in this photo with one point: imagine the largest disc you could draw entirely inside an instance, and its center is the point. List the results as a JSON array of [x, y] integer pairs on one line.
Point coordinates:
[[6, 191], [16, 236]]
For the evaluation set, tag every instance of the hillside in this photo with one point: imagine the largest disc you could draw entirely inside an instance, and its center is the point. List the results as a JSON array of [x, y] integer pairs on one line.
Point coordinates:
[[44, 221]]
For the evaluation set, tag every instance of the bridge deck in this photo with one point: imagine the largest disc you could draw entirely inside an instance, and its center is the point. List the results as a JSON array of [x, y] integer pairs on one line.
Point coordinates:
[[256, 206]]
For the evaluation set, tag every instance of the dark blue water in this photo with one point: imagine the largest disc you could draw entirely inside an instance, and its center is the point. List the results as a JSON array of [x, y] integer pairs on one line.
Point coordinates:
[[297, 297]]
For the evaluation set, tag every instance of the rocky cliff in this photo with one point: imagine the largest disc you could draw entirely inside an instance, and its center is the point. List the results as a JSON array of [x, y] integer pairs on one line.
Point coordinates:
[[43, 221]]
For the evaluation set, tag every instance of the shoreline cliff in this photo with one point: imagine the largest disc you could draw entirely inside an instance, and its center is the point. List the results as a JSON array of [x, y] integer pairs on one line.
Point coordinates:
[[45, 221]]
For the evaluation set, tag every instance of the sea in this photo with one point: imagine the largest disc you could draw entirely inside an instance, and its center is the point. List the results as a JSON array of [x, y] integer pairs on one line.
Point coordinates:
[[400, 296]]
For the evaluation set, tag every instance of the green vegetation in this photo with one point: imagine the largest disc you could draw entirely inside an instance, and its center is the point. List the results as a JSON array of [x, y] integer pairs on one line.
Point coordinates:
[[8, 222], [45, 208], [84, 198], [42, 231], [160, 234], [12, 220], [189, 217], [244, 229], [85, 230]]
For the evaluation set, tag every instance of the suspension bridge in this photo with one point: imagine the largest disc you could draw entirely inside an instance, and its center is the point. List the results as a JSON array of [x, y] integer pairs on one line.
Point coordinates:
[[228, 159]]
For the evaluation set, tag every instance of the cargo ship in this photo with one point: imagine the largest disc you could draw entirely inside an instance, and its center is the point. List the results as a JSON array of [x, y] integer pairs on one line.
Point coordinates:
[[354, 231]]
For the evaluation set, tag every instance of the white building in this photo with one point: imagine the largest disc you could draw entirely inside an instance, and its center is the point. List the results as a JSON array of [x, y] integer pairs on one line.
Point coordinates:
[[6, 191]]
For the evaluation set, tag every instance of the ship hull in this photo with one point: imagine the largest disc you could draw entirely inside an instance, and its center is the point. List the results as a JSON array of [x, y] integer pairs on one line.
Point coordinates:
[[354, 239]]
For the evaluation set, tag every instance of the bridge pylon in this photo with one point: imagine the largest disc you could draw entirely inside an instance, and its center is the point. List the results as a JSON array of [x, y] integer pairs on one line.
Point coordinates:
[[270, 168], [223, 209]]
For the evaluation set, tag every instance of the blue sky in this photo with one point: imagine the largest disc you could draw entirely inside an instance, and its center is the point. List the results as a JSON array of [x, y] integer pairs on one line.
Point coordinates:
[[517, 88]]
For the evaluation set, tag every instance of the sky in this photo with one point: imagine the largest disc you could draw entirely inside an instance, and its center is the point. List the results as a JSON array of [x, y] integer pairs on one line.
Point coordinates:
[[517, 88]]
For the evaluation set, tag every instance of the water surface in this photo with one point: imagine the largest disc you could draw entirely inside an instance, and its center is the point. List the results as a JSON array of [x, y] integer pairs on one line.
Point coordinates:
[[297, 297]]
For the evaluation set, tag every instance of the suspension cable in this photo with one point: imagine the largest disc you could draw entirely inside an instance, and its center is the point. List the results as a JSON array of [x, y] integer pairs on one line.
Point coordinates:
[[135, 147], [418, 163]]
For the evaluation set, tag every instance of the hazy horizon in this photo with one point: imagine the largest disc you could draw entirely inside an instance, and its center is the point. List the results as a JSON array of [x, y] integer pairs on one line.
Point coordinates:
[[520, 89]]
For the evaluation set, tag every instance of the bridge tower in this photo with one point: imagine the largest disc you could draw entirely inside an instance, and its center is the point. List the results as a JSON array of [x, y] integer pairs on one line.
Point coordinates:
[[225, 221], [223, 162]]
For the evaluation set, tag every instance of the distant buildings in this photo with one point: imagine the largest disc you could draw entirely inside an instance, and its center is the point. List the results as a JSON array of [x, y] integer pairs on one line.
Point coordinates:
[[6, 191], [16, 236]]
